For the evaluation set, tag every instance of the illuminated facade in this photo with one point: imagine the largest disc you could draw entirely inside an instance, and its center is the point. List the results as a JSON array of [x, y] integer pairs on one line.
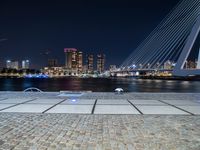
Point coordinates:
[[12, 64], [70, 57], [59, 72], [25, 64], [90, 62], [100, 63], [53, 71], [73, 61], [80, 62]]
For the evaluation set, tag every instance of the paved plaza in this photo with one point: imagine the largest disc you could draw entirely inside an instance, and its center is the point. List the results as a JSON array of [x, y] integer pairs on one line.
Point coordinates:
[[101, 103], [99, 121]]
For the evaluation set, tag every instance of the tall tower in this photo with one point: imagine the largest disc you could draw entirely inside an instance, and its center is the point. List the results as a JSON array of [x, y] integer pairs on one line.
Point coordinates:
[[25, 64], [70, 57], [80, 61], [100, 62], [8, 64], [90, 62]]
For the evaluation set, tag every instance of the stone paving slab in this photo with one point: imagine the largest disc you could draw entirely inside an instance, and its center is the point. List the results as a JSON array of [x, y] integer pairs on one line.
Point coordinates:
[[15, 100], [192, 109], [112, 102], [115, 109], [181, 102], [1, 98], [80, 109], [75, 101], [21, 131], [31, 108], [147, 102], [2, 106], [160, 110], [45, 101]]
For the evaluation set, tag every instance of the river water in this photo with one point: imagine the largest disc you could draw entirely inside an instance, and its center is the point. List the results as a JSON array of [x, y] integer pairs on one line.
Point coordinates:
[[99, 84]]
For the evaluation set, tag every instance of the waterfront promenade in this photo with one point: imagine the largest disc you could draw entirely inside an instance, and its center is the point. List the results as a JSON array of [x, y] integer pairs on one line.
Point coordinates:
[[53, 120]]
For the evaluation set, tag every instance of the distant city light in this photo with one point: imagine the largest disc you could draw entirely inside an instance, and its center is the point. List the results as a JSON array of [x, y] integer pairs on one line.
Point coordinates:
[[137, 73], [41, 76]]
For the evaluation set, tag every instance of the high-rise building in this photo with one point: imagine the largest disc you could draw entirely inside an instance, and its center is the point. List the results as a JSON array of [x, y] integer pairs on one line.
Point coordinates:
[[70, 57], [100, 62], [90, 62], [12, 64], [74, 61], [80, 61], [8, 64], [52, 62], [25, 64]]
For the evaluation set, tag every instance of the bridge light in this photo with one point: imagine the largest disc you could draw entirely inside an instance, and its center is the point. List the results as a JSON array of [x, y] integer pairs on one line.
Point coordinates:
[[133, 66], [173, 64]]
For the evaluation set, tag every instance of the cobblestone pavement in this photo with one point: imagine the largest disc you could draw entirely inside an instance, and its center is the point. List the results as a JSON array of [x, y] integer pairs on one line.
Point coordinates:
[[35, 131]]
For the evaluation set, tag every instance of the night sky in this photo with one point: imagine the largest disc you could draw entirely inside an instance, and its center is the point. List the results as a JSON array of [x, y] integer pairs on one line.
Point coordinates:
[[115, 27]]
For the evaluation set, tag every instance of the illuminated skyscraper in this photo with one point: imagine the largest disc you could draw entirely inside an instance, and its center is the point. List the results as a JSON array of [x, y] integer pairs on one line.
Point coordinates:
[[25, 64], [74, 61], [100, 62], [80, 61], [70, 57], [12, 64], [8, 64], [90, 62]]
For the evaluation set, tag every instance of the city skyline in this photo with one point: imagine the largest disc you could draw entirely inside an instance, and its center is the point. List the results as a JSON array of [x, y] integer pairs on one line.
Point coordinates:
[[30, 30], [74, 59]]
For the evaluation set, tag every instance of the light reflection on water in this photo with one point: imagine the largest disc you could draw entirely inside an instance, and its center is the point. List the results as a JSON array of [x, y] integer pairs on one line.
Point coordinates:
[[100, 84]]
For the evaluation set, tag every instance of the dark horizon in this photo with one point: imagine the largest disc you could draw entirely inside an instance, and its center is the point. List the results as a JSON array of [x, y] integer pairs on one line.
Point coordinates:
[[30, 28]]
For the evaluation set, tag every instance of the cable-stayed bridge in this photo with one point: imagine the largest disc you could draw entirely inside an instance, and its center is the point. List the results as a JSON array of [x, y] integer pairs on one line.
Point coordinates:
[[171, 45]]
